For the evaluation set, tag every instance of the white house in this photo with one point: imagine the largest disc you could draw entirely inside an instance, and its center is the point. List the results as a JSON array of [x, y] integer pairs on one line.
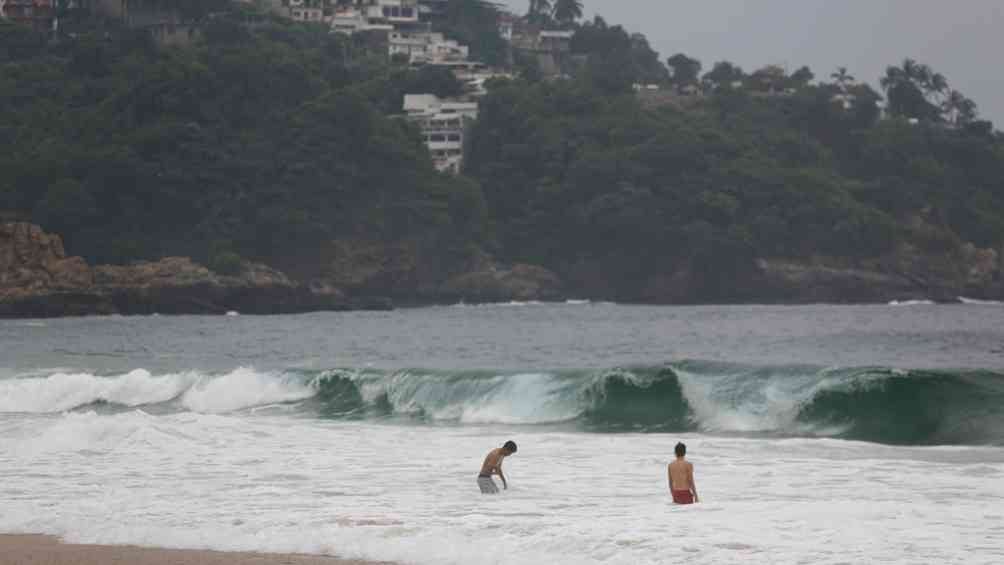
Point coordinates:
[[349, 20], [555, 40], [304, 11], [506, 24], [443, 124], [391, 11]]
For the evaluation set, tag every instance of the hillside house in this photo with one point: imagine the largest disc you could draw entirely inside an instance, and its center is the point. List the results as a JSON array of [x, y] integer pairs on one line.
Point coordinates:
[[506, 25], [163, 22], [349, 20], [432, 10], [443, 124], [425, 47], [311, 11], [555, 41], [39, 15], [394, 12]]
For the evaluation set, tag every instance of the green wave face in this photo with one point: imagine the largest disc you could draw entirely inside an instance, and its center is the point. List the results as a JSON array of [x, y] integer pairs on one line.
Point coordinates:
[[916, 407], [868, 404]]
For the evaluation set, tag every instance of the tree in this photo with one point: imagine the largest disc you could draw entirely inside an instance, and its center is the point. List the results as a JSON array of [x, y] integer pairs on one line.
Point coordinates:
[[685, 70], [802, 77], [723, 76], [914, 91], [842, 78], [475, 23], [567, 11], [959, 110], [540, 11], [771, 78]]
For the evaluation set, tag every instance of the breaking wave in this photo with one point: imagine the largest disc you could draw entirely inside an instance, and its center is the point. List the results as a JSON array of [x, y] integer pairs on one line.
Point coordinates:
[[870, 404]]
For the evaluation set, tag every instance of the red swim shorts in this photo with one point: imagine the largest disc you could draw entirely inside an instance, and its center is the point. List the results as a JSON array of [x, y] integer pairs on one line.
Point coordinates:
[[683, 497]]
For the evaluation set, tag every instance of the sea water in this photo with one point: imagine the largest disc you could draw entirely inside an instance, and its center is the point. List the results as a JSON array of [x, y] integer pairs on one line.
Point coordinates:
[[819, 434]]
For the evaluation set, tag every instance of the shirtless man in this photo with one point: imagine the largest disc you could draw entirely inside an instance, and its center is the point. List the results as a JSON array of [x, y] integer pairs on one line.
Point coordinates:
[[493, 466], [681, 478]]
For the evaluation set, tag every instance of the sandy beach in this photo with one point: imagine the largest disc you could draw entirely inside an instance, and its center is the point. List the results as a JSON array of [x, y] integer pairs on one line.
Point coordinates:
[[47, 550]]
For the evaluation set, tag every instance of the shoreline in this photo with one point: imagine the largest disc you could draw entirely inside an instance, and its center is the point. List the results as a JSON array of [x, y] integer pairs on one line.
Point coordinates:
[[417, 305], [37, 549]]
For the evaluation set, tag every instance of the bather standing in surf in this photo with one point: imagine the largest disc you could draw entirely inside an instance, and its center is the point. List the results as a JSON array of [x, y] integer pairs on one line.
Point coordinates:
[[493, 466], [681, 478]]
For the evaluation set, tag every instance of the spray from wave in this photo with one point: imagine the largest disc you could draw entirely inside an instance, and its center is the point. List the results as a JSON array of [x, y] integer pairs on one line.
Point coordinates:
[[871, 404]]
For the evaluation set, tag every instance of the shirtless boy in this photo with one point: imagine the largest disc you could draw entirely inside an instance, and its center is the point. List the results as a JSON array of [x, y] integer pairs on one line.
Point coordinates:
[[681, 478], [493, 466]]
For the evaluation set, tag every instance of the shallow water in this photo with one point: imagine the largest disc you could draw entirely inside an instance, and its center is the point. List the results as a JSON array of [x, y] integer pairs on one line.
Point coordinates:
[[213, 433]]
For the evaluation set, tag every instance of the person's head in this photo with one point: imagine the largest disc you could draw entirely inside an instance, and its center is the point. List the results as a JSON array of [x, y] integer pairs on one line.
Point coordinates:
[[681, 450], [509, 448]]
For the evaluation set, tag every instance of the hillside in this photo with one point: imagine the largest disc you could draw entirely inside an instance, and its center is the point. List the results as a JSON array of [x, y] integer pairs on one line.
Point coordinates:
[[276, 143]]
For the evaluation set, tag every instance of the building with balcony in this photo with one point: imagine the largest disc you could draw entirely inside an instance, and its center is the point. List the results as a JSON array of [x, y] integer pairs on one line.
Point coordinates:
[[443, 124], [422, 47], [311, 11], [394, 12]]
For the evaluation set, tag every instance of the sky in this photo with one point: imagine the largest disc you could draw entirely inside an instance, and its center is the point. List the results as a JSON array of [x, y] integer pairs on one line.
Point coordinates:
[[957, 39]]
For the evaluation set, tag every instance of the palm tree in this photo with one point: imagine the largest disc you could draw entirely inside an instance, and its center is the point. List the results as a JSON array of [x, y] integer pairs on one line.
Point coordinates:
[[540, 7], [958, 109], [842, 78], [540, 11], [567, 11]]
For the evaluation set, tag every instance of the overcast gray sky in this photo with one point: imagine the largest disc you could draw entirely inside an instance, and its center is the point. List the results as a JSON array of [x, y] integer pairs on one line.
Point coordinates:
[[957, 38]]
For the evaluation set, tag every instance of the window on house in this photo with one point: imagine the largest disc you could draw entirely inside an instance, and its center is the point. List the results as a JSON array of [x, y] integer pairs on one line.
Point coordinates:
[[437, 138], [454, 137]]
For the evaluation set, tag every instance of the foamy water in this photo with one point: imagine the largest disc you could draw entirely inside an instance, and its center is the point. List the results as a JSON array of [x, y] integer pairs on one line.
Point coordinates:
[[360, 434], [407, 494]]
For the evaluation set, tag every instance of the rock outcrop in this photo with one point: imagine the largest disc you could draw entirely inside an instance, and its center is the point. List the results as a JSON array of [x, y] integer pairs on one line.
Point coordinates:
[[37, 279], [416, 272], [495, 283]]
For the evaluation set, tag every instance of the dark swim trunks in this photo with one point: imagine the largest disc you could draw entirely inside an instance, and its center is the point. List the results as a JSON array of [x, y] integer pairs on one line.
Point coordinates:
[[683, 497]]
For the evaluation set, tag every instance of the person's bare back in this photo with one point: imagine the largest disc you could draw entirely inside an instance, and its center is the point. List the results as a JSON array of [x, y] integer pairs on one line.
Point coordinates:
[[681, 478], [492, 461], [493, 466]]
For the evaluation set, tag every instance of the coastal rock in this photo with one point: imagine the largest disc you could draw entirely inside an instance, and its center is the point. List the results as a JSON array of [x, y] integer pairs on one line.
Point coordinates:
[[421, 272], [38, 280], [494, 283], [787, 281]]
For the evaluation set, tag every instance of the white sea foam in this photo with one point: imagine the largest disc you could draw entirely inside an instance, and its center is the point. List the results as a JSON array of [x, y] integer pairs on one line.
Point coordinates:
[[912, 303], [236, 390], [978, 302], [243, 388], [358, 490], [65, 391]]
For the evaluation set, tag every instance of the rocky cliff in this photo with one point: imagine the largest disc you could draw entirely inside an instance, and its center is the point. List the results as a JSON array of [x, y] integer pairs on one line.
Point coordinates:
[[37, 279]]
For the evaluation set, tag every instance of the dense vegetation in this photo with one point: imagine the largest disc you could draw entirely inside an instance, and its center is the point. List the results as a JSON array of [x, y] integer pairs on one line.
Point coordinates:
[[586, 175], [268, 139], [264, 143]]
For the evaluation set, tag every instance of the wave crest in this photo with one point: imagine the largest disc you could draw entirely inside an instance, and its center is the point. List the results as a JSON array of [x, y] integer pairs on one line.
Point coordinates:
[[871, 404]]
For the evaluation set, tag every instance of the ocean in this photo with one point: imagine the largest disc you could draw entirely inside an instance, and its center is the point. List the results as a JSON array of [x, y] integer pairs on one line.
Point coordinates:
[[819, 434]]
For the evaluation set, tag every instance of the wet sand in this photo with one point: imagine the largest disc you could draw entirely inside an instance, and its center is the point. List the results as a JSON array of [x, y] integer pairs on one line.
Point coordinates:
[[47, 550]]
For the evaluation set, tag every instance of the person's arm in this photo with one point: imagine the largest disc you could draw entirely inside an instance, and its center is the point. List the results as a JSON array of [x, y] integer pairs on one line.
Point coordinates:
[[498, 469], [693, 485], [669, 474]]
